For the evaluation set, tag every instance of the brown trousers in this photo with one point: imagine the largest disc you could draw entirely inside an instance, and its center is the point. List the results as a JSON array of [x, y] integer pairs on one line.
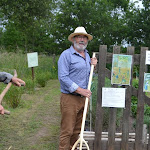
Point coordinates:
[[72, 108]]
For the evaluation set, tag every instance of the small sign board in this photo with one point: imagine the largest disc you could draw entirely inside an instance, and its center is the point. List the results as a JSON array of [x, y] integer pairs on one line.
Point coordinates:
[[146, 85], [32, 59], [113, 97]]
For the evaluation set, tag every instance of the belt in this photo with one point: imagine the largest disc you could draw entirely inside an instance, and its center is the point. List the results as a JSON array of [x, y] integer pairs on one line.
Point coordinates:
[[76, 94]]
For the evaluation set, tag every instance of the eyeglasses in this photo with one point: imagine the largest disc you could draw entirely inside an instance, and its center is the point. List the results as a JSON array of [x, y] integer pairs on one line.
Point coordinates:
[[81, 37]]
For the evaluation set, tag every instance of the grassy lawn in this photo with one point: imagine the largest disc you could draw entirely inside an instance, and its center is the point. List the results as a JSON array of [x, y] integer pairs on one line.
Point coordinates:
[[34, 125]]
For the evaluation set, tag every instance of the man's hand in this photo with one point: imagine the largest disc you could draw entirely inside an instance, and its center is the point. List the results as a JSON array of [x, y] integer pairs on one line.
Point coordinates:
[[94, 61], [17, 81], [84, 92], [1, 110]]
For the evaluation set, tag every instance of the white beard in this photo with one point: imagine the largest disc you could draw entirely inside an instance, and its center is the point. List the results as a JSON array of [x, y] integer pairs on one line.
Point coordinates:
[[79, 47]]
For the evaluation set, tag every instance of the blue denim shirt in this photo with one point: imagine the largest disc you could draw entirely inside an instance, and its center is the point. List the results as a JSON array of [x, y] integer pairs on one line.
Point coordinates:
[[73, 70]]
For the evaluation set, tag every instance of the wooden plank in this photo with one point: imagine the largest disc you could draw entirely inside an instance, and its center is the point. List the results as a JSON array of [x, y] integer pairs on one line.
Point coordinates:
[[112, 128], [101, 83], [108, 73], [91, 135], [109, 58], [136, 59], [126, 111], [140, 106], [112, 115]]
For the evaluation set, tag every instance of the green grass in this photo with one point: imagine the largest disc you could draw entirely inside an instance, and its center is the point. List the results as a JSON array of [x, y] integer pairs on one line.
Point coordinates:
[[34, 125], [35, 118], [18, 61]]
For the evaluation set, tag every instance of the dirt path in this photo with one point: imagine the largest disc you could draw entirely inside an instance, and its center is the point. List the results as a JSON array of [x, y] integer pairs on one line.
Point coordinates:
[[36, 125]]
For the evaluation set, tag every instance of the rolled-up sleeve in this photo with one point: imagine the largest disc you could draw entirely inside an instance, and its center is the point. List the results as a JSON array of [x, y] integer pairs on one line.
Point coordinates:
[[5, 77]]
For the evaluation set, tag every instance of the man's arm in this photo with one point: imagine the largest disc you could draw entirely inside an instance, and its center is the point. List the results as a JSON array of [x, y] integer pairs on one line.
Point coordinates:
[[63, 73], [6, 78]]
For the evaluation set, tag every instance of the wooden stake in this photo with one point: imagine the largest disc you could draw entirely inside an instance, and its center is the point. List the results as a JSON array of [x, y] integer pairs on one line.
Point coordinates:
[[81, 140]]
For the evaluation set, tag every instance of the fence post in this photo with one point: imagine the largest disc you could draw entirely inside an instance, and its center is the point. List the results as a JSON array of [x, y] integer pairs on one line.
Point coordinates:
[[140, 106], [99, 110]]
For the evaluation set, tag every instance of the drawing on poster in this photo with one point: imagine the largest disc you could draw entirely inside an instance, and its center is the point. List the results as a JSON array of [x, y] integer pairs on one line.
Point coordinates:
[[121, 69], [146, 85]]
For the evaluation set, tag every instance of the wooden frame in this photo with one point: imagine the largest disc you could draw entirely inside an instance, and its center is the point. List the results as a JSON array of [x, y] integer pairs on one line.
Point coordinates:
[[124, 144]]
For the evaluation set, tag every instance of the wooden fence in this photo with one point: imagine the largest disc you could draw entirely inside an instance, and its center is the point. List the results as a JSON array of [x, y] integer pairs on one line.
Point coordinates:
[[125, 143]]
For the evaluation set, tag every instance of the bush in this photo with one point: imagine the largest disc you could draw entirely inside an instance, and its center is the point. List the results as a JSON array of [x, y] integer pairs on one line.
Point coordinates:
[[13, 96], [135, 83], [30, 85], [42, 78]]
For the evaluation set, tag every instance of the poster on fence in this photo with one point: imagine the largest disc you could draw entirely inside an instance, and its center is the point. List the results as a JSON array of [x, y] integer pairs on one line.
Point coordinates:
[[147, 60], [113, 97], [121, 69], [146, 85], [32, 59]]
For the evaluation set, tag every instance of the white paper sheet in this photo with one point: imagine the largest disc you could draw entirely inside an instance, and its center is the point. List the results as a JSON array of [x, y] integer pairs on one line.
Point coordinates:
[[113, 97], [32, 59], [147, 61]]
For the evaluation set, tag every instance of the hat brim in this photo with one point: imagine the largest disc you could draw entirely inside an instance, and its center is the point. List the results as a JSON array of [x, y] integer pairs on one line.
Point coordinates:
[[90, 37]]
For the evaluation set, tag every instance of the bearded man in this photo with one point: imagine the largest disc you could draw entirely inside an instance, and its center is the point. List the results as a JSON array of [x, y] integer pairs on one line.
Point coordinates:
[[73, 74]]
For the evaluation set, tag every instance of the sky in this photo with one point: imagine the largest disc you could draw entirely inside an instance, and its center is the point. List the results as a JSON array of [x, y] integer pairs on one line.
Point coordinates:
[[138, 4]]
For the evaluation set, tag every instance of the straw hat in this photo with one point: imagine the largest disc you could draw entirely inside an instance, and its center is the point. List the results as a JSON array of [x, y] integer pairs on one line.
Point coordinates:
[[79, 31]]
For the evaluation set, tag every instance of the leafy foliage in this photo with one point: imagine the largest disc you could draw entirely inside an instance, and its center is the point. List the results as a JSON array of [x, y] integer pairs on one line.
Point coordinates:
[[100, 18], [13, 97], [44, 26], [28, 21]]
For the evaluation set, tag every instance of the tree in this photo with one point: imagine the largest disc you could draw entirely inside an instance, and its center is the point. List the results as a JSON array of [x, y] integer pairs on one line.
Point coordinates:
[[138, 21], [99, 17], [30, 18]]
